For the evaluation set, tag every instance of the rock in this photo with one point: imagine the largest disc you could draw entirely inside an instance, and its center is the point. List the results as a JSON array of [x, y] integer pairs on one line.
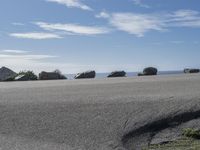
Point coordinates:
[[191, 70], [117, 74], [21, 78], [6, 74], [149, 71], [51, 76], [87, 74]]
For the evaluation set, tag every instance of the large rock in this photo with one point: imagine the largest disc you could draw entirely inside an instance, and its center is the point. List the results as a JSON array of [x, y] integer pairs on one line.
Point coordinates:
[[191, 70], [117, 74], [22, 77], [149, 71], [51, 76], [6, 74], [87, 74]]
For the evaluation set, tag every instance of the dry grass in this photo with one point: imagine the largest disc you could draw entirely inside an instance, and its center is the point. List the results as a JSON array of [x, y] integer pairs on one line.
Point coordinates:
[[182, 144]]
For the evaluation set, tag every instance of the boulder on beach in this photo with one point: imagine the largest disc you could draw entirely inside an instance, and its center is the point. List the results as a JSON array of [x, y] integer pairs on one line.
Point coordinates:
[[117, 74], [149, 71], [85, 75], [187, 70], [51, 76], [6, 74], [21, 77]]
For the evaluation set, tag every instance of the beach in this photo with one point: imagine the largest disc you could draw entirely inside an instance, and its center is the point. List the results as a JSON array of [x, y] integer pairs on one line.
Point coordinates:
[[97, 114]]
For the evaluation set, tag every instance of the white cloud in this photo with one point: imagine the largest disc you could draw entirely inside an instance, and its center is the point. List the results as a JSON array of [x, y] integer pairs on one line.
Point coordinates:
[[21, 54], [26, 57], [103, 14], [139, 24], [72, 3], [24, 62], [185, 14], [136, 23], [73, 28], [18, 60], [18, 24], [140, 3], [184, 18], [14, 51], [36, 35]]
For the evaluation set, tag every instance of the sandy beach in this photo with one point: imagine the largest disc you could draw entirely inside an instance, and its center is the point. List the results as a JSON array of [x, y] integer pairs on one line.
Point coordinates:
[[97, 114]]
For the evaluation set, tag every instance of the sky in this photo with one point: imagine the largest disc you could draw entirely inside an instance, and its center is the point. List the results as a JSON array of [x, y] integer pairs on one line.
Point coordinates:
[[102, 35]]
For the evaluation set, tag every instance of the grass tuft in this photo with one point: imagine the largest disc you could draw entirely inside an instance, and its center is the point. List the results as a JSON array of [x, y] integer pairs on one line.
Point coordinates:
[[189, 141], [191, 133]]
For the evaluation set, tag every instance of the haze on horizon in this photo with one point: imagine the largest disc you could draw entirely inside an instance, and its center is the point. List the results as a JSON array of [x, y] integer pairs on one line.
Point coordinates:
[[79, 35]]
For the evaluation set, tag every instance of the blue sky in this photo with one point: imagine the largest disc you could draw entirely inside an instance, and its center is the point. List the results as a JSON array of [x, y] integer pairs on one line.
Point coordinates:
[[105, 35]]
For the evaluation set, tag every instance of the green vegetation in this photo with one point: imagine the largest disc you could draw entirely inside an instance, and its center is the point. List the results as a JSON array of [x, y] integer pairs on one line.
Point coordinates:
[[29, 75], [182, 144], [10, 79], [189, 141], [192, 133]]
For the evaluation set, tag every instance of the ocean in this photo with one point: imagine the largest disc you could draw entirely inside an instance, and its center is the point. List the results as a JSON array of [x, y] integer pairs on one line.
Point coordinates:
[[128, 74]]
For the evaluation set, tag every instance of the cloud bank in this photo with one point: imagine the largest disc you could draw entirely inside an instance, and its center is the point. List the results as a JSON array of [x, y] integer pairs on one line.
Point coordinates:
[[14, 51], [73, 29], [139, 24], [36, 35], [25, 60]]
